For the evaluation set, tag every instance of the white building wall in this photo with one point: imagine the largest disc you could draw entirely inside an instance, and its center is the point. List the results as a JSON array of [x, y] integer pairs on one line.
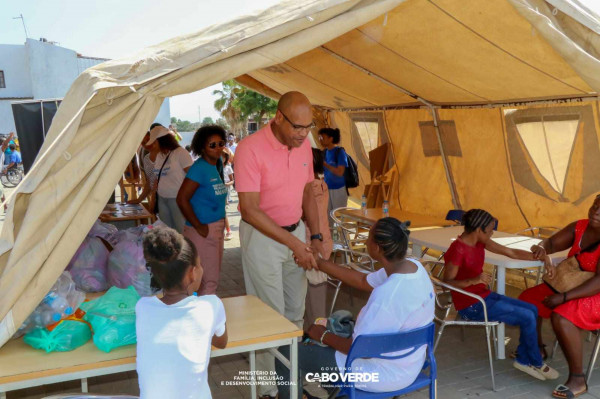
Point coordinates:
[[7, 122], [13, 61], [40, 70], [52, 69], [84, 63], [164, 113]]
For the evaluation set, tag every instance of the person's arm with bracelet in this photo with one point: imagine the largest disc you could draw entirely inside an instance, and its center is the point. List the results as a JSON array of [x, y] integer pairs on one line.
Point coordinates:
[[320, 334], [184, 196], [560, 241], [311, 215], [253, 215]]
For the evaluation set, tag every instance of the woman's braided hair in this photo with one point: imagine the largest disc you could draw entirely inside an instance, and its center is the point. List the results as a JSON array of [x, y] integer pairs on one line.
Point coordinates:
[[392, 237], [475, 219], [169, 255]]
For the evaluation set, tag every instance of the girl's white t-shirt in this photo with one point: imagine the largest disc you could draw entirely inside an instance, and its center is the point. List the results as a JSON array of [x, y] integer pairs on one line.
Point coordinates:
[[400, 302], [172, 174], [173, 345]]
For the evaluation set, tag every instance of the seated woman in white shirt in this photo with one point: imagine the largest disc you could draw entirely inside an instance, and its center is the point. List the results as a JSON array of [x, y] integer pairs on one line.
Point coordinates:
[[401, 299], [175, 332]]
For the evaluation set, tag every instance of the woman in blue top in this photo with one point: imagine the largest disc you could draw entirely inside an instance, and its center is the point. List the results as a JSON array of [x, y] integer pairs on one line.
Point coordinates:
[[336, 162], [201, 199]]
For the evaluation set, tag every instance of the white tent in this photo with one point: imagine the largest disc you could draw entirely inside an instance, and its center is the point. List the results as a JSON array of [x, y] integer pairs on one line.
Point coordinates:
[[412, 60]]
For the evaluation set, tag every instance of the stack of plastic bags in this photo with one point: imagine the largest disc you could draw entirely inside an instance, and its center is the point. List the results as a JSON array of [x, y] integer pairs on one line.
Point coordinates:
[[110, 257]]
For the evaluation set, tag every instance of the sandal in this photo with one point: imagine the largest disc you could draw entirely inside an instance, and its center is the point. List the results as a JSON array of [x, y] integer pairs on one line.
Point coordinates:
[[563, 391]]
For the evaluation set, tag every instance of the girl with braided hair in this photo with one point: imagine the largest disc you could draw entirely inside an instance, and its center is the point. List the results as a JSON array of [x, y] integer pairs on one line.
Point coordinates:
[[464, 269], [401, 299], [175, 332]]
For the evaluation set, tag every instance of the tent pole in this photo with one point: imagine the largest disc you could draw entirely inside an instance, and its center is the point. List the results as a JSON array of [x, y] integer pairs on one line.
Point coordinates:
[[432, 109], [449, 177]]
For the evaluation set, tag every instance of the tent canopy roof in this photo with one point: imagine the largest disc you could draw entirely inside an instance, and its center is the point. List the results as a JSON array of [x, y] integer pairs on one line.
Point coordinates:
[[443, 51]]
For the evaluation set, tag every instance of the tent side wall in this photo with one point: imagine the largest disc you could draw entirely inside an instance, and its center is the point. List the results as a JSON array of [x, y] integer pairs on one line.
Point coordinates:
[[528, 166]]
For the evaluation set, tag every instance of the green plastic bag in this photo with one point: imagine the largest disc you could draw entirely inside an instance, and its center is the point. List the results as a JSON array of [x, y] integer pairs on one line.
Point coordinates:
[[112, 317], [66, 336]]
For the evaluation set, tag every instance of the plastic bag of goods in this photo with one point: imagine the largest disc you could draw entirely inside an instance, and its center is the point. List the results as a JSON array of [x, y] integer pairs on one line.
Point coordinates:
[[65, 336], [130, 234], [127, 266], [61, 301], [103, 230], [112, 317], [88, 265]]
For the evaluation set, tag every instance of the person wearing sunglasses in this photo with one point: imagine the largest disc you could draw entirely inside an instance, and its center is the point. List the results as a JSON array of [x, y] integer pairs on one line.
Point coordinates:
[[274, 171], [202, 198], [170, 166]]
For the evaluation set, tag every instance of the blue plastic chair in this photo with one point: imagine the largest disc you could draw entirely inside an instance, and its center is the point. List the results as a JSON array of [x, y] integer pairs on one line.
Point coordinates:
[[455, 215], [376, 345]]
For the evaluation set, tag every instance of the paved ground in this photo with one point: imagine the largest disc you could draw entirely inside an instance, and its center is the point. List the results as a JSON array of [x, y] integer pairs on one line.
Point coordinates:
[[463, 370]]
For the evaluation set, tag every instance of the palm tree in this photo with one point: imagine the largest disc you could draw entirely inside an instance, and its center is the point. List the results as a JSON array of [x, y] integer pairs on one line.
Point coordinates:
[[225, 105]]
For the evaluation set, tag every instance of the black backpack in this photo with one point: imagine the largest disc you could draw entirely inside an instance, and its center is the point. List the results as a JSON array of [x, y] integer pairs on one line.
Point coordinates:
[[351, 172]]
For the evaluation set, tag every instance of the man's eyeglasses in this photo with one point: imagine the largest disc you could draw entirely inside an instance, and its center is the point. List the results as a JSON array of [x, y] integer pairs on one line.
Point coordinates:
[[298, 128], [214, 144]]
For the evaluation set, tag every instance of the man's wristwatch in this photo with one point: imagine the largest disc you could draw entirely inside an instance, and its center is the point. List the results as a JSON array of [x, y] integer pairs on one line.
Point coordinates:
[[317, 237]]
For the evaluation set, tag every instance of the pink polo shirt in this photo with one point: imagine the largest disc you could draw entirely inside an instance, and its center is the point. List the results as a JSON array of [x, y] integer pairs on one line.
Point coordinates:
[[264, 165]]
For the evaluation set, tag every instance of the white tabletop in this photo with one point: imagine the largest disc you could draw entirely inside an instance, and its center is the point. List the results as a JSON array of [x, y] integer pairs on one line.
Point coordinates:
[[441, 238]]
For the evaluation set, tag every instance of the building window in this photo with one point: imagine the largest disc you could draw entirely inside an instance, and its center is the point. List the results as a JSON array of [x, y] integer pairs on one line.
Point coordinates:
[[2, 83]]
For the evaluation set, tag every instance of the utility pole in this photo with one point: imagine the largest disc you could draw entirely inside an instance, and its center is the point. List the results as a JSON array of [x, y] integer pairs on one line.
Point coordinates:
[[199, 115], [24, 27]]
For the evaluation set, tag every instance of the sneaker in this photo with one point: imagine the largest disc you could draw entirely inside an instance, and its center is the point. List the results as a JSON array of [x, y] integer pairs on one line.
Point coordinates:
[[535, 372], [548, 372], [228, 236]]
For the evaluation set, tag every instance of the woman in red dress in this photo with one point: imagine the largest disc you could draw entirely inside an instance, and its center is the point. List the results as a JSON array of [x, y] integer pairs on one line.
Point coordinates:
[[578, 308]]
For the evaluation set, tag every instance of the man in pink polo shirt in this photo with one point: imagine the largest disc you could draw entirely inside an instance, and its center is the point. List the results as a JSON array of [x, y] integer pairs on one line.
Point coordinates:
[[273, 171]]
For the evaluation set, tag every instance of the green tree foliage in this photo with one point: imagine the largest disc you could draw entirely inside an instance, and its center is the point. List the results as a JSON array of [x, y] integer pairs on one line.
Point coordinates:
[[184, 126], [207, 121], [223, 123], [256, 106], [237, 104]]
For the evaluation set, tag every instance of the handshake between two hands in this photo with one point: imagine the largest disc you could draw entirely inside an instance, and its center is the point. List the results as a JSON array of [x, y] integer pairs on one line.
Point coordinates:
[[307, 256]]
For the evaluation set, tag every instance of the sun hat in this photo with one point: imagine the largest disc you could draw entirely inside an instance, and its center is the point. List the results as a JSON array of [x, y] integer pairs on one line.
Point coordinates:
[[156, 132]]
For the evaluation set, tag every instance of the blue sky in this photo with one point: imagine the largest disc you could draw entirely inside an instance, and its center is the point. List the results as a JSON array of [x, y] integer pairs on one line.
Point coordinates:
[[113, 29]]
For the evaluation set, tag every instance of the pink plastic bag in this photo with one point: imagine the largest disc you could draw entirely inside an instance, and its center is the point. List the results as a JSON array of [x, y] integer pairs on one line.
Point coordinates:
[[127, 266], [88, 265], [103, 230], [130, 234]]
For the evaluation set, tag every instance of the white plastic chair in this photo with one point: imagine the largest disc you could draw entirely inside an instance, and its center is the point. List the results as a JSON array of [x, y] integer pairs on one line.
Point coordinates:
[[445, 315]]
